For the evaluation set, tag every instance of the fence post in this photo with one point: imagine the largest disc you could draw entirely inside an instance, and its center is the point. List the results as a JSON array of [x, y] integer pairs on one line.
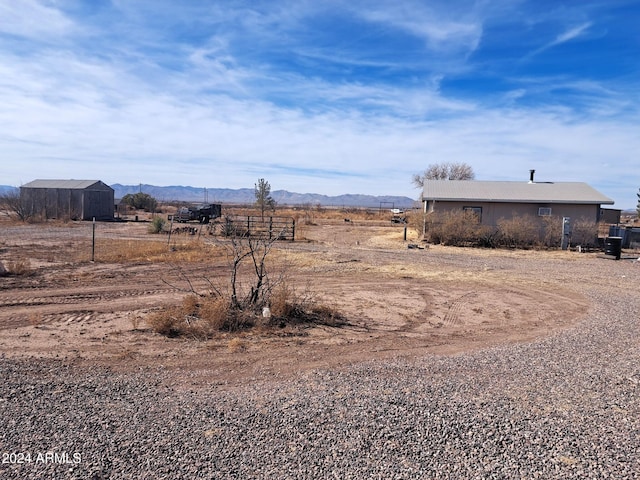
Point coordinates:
[[293, 229], [270, 227], [93, 241], [170, 230]]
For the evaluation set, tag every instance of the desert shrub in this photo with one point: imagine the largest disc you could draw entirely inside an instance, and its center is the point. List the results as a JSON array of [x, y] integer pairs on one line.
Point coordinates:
[[456, 228], [281, 300], [584, 232], [308, 313], [416, 220], [291, 306], [486, 236], [518, 231], [215, 312], [240, 305], [203, 317], [17, 205], [190, 304], [198, 317], [168, 322], [552, 231], [157, 225], [20, 266], [323, 315], [140, 201]]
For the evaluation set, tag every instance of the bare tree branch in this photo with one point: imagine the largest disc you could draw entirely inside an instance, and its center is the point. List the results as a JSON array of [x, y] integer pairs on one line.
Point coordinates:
[[443, 171]]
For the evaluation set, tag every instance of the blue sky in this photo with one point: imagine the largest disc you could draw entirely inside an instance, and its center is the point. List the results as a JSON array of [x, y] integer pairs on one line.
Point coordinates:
[[326, 97]]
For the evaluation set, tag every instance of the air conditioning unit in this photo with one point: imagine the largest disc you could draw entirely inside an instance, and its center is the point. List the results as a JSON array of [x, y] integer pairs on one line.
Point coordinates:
[[544, 211]]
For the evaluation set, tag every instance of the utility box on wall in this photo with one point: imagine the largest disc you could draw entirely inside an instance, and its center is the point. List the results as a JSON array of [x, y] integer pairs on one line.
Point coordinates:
[[566, 232]]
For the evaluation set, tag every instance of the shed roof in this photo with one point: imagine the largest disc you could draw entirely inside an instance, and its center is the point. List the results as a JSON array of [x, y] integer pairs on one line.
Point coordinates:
[[66, 184], [513, 192]]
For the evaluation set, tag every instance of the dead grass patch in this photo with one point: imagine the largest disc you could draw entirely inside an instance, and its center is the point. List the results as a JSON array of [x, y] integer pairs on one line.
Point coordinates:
[[129, 251], [236, 344], [20, 267]]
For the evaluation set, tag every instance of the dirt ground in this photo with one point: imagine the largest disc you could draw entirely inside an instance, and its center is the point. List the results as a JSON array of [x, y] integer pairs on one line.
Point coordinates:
[[399, 301]]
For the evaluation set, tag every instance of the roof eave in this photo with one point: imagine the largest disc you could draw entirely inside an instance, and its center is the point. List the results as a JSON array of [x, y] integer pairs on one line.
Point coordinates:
[[521, 200]]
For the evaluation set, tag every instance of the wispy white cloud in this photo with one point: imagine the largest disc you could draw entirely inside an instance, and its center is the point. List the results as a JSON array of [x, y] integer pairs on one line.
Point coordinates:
[[33, 19], [571, 33], [564, 37], [446, 28]]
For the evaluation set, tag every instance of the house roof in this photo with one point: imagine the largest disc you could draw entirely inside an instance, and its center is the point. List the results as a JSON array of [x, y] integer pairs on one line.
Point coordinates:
[[66, 184], [513, 192]]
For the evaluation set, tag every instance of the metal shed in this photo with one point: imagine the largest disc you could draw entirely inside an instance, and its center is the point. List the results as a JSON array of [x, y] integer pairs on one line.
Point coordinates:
[[69, 199]]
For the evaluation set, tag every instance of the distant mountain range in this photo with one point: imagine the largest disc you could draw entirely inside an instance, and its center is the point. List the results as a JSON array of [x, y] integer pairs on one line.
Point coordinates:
[[247, 196], [4, 189]]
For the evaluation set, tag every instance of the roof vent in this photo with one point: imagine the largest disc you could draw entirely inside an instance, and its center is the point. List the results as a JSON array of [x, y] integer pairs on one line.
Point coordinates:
[[531, 174]]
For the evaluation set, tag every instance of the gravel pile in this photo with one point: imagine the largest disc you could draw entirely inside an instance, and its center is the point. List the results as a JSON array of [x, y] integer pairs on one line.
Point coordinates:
[[567, 406]]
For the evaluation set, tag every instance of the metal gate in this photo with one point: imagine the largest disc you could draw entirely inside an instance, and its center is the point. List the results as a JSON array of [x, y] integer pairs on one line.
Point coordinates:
[[278, 228]]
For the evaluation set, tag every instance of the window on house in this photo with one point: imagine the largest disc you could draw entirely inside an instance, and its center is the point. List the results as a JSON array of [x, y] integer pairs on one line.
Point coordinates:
[[477, 211], [544, 211]]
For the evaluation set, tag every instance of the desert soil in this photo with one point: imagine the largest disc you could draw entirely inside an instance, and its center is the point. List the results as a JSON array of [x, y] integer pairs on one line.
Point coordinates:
[[399, 301]]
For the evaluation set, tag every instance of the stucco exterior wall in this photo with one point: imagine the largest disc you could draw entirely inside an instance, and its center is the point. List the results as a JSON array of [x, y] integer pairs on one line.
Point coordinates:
[[494, 211]]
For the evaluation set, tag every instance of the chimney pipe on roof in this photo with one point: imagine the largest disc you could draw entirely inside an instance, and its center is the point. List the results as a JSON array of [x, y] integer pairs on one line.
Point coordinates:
[[531, 174]]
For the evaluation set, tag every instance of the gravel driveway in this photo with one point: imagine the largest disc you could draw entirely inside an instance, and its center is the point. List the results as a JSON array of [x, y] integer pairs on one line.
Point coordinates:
[[566, 406]]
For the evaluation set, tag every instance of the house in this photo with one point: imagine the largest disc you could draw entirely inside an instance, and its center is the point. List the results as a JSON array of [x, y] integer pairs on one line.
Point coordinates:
[[69, 199], [491, 201]]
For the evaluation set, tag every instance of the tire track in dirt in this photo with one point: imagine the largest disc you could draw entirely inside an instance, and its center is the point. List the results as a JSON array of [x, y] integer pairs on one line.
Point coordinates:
[[63, 318], [37, 319], [62, 298], [452, 317], [65, 307]]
